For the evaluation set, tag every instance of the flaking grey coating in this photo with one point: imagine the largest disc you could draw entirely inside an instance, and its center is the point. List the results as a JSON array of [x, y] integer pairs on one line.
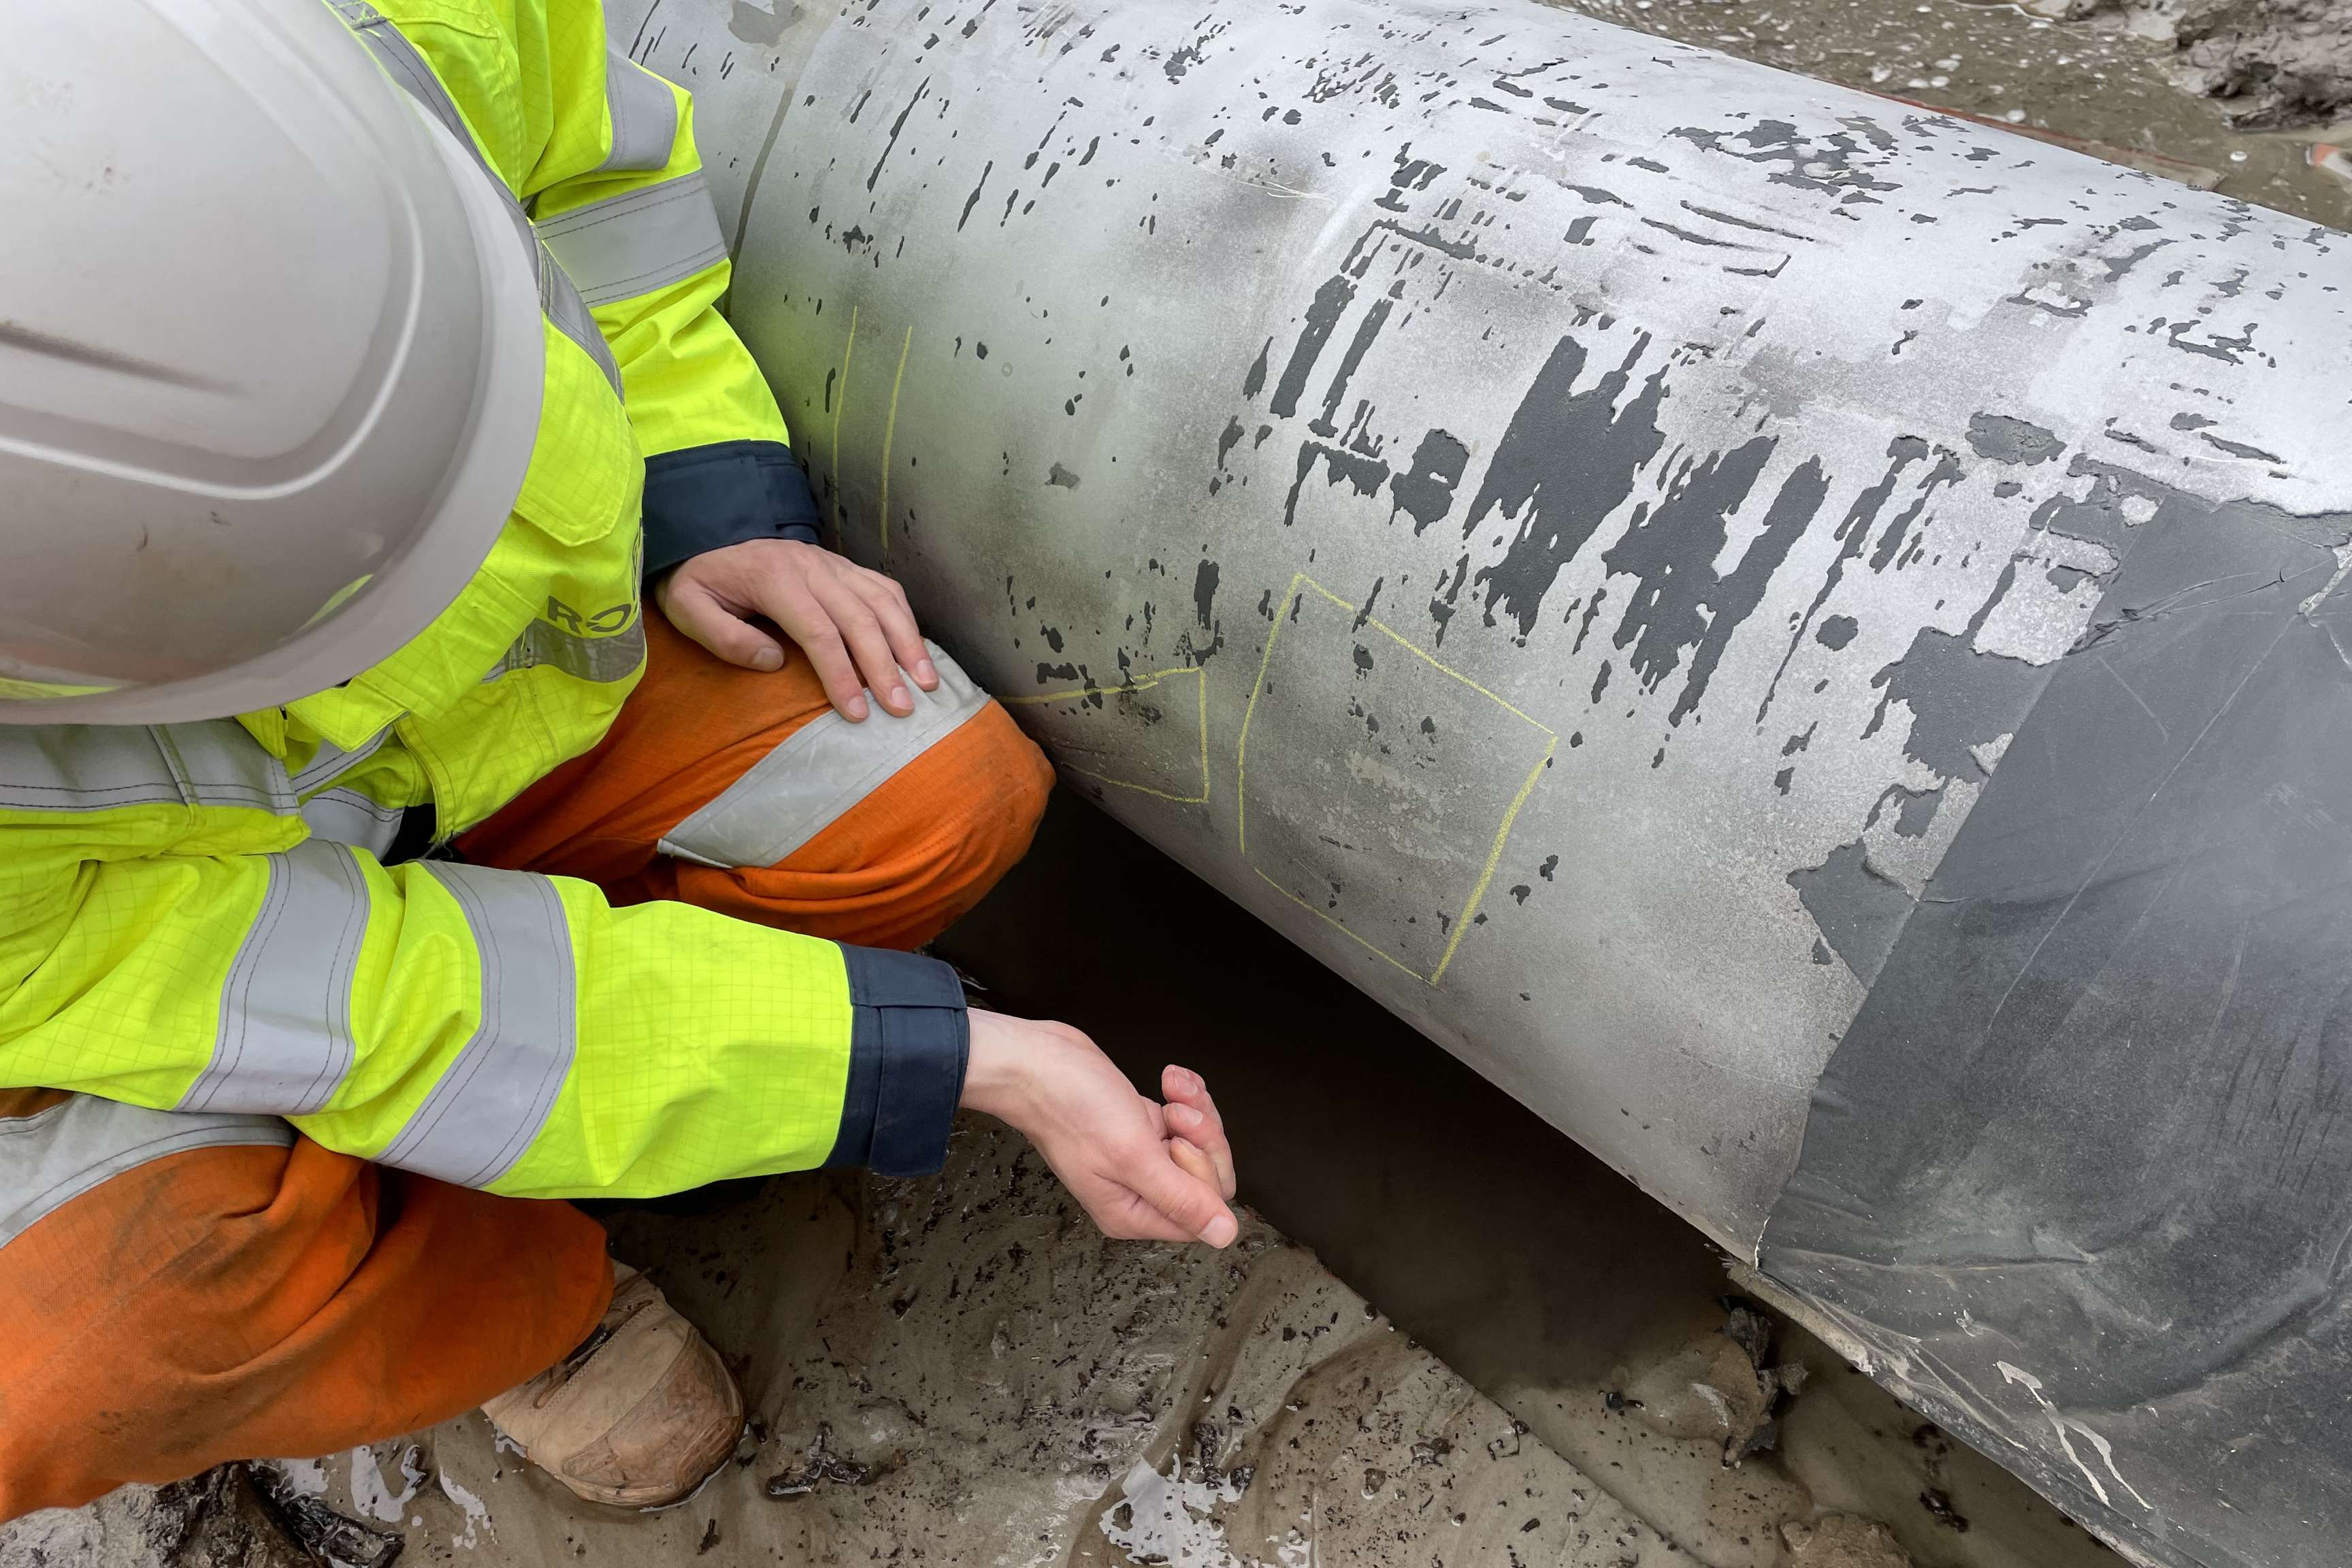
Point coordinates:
[[1686, 480]]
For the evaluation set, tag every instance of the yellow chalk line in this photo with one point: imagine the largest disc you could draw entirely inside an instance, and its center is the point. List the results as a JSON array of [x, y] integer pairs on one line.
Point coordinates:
[[1143, 683], [840, 402], [1494, 857], [1249, 711], [1341, 928], [888, 431], [1502, 835], [1426, 657]]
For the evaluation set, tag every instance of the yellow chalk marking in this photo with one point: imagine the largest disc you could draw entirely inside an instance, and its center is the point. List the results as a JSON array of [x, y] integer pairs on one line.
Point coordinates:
[[1340, 926], [1461, 924], [1495, 855], [888, 431], [841, 401], [1423, 654], [1249, 711], [1143, 683]]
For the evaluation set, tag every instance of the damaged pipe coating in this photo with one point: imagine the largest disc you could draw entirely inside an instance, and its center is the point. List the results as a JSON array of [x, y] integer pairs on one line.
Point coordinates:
[[1799, 637]]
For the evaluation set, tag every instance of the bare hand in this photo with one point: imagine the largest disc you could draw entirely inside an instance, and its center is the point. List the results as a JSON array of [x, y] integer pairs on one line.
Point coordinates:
[[854, 625], [1196, 1129], [1125, 1158]]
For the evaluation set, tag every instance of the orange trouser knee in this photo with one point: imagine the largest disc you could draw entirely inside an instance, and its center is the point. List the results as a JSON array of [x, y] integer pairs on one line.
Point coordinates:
[[918, 850], [230, 1303], [239, 1302]]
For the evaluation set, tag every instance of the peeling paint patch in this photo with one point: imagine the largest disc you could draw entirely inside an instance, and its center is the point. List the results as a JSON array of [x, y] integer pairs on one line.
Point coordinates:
[[1426, 492], [2008, 440], [1859, 908], [761, 29], [1569, 458], [1958, 699], [1680, 601]]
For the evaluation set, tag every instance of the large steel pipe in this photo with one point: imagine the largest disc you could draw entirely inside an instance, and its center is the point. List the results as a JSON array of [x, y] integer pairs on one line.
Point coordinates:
[[1799, 637]]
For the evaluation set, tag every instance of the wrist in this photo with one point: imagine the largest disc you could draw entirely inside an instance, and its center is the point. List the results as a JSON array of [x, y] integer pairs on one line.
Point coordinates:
[[996, 1071]]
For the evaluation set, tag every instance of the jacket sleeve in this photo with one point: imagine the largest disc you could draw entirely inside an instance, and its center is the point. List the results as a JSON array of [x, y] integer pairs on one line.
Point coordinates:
[[497, 1030], [620, 200]]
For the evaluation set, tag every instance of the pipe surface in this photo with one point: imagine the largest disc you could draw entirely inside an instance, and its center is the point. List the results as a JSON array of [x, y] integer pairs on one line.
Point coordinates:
[[1799, 637]]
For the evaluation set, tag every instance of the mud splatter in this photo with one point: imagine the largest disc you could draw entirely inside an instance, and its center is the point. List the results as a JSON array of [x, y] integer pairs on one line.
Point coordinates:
[[2008, 440]]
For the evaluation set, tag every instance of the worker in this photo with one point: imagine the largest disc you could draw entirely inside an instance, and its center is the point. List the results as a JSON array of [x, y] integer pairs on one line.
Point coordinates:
[[374, 869]]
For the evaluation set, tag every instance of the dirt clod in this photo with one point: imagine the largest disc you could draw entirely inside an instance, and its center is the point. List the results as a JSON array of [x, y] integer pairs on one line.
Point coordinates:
[[2277, 65], [1938, 1504], [820, 1467], [1841, 1541]]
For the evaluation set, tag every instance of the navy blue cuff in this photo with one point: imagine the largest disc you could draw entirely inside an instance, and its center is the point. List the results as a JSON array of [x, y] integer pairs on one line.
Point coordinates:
[[707, 497], [909, 1040]]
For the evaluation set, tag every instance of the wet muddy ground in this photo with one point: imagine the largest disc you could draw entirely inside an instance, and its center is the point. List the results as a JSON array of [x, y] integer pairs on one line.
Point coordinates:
[[959, 1371], [2101, 84], [1549, 1282]]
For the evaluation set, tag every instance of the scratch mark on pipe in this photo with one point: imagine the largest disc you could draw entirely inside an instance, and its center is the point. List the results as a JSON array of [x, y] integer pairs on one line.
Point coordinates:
[[2032, 1386], [972, 200], [2136, 696], [751, 182], [896, 126]]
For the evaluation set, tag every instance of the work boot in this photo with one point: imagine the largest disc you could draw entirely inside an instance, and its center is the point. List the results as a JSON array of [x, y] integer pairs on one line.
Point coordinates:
[[639, 1416]]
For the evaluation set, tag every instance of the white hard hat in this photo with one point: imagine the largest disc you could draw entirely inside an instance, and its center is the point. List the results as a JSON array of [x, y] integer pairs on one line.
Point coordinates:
[[270, 358]]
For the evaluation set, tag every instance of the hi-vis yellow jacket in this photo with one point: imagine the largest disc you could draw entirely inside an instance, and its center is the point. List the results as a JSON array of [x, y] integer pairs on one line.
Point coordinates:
[[200, 918]]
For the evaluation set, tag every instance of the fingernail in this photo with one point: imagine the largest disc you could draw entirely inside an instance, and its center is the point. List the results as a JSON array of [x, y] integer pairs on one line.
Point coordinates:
[[768, 658], [1220, 1231], [1184, 1116], [856, 708], [927, 672], [899, 698]]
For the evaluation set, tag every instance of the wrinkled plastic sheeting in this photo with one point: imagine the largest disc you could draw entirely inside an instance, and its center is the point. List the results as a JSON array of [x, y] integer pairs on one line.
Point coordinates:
[[2080, 1174]]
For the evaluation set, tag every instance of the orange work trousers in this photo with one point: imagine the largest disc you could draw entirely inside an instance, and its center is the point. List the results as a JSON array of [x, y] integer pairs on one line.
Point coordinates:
[[237, 1302]]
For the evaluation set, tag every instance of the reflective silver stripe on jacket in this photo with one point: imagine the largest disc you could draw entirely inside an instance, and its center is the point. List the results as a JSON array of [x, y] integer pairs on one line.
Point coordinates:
[[401, 60], [644, 116], [347, 816], [615, 657], [97, 767], [495, 1096], [284, 1042], [332, 761], [634, 244], [569, 311], [405, 65], [50, 1158], [821, 770]]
